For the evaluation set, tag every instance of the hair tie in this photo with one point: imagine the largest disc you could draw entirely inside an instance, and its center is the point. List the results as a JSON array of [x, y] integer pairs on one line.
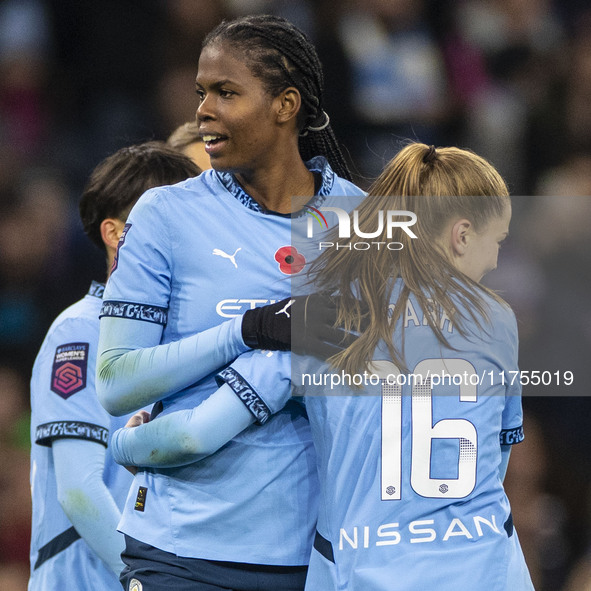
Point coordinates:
[[430, 155], [323, 126]]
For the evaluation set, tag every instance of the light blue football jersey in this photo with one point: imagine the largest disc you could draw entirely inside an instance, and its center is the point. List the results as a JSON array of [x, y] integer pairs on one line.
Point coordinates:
[[193, 255], [64, 405], [411, 496]]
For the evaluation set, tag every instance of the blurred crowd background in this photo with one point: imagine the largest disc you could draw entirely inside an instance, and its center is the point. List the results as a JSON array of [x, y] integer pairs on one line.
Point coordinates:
[[510, 79]]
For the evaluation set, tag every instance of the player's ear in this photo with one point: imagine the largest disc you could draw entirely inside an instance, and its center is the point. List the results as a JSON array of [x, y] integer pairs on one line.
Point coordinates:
[[288, 103], [461, 233], [111, 230]]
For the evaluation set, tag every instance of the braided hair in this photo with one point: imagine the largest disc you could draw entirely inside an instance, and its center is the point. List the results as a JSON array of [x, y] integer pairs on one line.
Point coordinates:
[[281, 55]]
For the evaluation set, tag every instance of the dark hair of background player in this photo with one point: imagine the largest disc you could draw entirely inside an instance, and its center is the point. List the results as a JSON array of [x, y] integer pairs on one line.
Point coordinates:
[[118, 181]]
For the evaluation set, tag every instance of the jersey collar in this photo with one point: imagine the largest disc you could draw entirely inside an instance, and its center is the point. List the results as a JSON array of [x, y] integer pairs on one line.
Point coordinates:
[[318, 164]]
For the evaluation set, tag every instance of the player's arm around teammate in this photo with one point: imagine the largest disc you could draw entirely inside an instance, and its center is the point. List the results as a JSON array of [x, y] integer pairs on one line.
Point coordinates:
[[464, 216], [194, 255]]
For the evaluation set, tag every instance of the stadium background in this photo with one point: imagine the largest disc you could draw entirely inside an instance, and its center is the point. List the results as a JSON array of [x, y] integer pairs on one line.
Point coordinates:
[[510, 79]]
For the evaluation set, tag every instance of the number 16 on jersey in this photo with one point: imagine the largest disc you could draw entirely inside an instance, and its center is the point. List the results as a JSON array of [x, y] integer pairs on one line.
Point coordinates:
[[462, 482]]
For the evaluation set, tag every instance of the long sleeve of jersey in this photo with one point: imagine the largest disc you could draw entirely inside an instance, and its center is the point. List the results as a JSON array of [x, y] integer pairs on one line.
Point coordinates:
[[151, 345], [134, 371], [85, 498], [186, 436]]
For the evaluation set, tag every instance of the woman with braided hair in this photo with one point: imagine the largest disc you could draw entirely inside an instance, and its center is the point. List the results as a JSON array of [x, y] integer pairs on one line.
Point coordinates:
[[238, 510]]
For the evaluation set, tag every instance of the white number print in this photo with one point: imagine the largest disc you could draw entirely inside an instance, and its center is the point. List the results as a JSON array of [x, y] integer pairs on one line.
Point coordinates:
[[458, 485]]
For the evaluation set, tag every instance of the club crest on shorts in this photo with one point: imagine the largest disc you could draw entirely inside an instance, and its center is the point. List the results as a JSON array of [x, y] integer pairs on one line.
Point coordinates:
[[135, 585], [70, 366]]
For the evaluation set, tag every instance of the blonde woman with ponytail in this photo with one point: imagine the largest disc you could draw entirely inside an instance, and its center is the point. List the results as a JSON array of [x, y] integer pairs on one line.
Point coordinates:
[[411, 481]]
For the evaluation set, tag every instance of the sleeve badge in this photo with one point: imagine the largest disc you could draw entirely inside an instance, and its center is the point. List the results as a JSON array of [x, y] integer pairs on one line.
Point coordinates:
[[70, 367]]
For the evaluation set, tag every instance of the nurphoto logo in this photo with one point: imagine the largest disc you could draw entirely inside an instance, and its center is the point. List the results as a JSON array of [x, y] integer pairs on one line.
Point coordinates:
[[348, 225]]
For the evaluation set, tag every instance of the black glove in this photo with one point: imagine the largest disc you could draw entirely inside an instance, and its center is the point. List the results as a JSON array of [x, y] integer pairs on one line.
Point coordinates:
[[268, 327], [303, 324]]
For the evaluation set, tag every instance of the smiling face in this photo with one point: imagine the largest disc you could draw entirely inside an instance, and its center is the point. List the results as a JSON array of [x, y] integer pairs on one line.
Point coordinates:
[[237, 116], [475, 253]]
